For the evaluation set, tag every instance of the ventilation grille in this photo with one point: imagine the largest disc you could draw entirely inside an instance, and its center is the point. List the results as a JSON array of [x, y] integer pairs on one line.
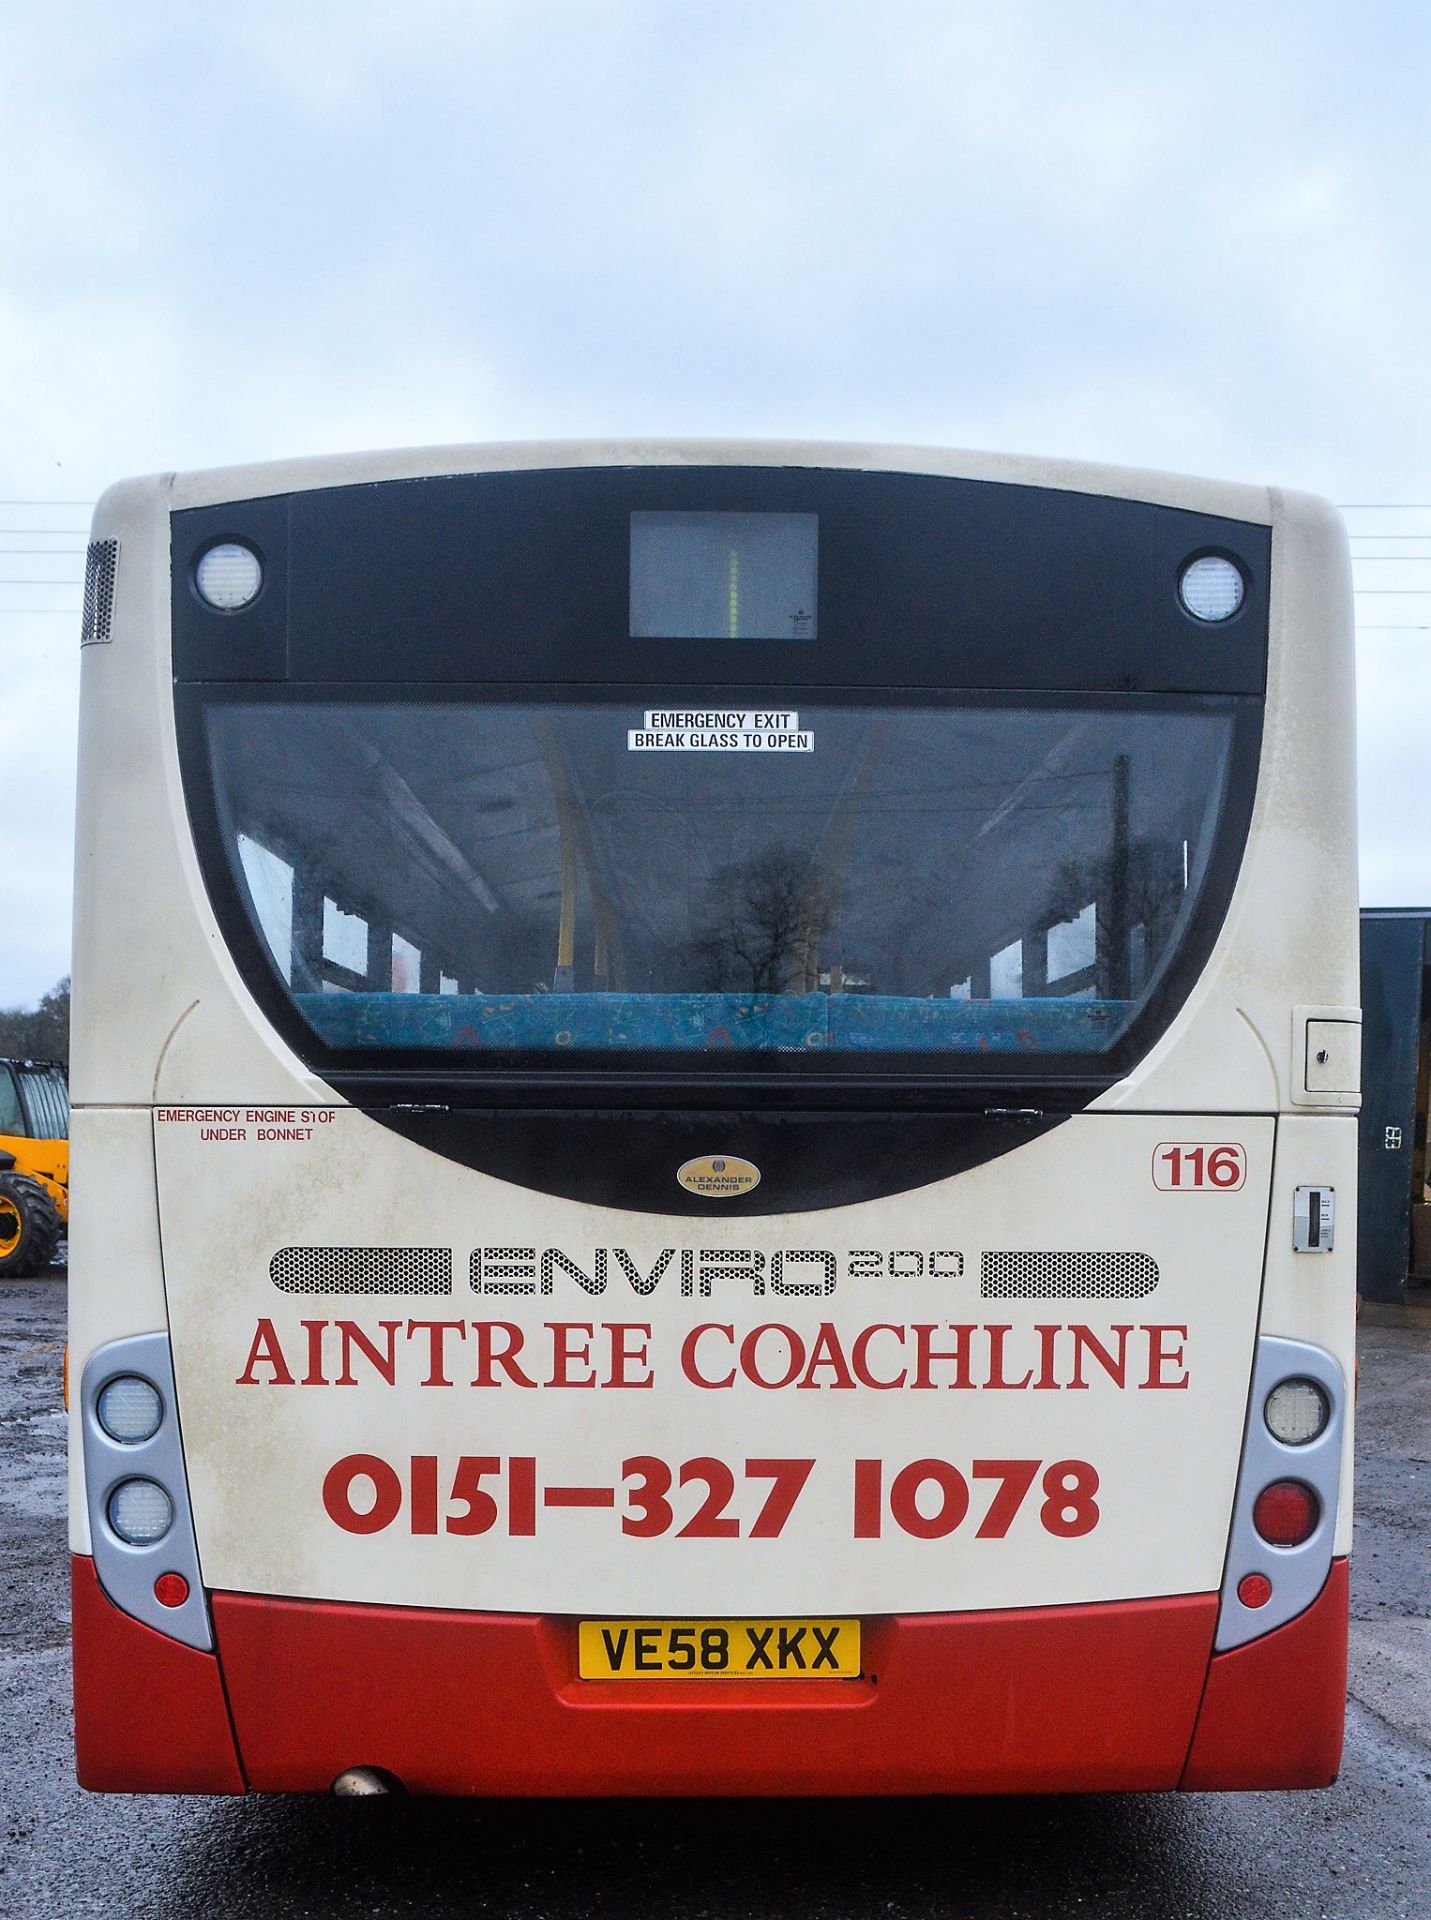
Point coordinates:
[[101, 558], [362, 1270], [505, 1270], [1067, 1276]]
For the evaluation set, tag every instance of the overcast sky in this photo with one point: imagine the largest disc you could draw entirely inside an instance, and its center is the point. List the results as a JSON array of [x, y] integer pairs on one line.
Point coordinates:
[[1189, 238]]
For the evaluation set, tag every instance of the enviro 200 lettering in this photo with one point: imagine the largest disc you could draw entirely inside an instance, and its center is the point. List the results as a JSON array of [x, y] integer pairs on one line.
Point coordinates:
[[789, 1272]]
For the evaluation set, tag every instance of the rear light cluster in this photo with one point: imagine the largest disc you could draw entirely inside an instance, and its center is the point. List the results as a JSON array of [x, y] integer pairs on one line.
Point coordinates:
[[141, 1530], [131, 1411], [1287, 1512], [1280, 1547]]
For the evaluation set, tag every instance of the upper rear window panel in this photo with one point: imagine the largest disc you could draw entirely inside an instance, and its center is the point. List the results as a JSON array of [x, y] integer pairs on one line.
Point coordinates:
[[923, 582]]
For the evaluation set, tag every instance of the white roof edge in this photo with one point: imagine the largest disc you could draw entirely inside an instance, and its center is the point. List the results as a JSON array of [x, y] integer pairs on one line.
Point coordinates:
[[1232, 500]]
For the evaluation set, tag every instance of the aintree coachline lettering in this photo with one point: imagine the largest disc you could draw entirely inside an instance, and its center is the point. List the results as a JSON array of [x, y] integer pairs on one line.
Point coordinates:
[[716, 1356]]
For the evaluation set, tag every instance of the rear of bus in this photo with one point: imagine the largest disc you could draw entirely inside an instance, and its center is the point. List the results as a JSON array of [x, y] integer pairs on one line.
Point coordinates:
[[715, 1118]]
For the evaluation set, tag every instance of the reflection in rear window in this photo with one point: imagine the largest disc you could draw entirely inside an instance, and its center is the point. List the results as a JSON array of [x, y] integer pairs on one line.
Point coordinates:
[[487, 877]]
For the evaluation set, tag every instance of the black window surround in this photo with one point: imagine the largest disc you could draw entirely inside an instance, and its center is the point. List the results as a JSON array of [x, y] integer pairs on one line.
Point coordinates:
[[924, 582], [951, 591]]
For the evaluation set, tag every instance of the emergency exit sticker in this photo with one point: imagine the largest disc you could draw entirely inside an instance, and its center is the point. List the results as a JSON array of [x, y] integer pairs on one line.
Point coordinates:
[[720, 730]]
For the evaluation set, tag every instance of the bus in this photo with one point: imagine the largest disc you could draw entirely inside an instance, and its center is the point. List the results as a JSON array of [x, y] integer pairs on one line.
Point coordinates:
[[715, 1120]]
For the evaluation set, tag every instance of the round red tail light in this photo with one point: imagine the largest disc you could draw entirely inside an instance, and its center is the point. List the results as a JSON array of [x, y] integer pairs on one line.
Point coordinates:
[[1286, 1513], [171, 1589]]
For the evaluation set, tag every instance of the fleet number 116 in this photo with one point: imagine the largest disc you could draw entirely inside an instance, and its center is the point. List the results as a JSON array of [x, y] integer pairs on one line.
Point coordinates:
[[1200, 1168]]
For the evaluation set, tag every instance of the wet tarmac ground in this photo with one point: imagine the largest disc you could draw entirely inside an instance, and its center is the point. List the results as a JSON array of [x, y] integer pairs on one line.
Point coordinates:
[[1361, 1850]]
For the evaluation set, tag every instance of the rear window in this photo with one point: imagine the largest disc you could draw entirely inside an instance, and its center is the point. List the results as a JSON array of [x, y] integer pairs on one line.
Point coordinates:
[[492, 879]]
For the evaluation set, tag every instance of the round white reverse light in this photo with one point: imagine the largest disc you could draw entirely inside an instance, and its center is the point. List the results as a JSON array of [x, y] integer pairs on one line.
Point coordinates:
[[1296, 1412], [229, 576], [130, 1409], [140, 1512], [1211, 588]]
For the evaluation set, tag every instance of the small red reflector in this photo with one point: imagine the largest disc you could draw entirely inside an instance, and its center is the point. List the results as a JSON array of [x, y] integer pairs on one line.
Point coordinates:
[[1254, 1590], [1286, 1513], [171, 1589]]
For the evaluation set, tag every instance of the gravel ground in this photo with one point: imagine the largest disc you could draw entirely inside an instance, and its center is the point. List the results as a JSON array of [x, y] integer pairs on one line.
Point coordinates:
[[1361, 1850]]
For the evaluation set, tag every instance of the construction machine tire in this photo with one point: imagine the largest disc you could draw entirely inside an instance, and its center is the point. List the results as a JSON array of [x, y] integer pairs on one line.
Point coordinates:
[[29, 1227]]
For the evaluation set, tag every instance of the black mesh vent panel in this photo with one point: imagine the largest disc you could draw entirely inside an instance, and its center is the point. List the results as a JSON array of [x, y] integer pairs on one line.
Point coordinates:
[[362, 1270], [1067, 1276], [101, 558]]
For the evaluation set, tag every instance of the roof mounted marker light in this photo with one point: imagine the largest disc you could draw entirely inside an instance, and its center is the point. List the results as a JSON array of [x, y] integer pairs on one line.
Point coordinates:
[[140, 1512], [1211, 588], [228, 576]]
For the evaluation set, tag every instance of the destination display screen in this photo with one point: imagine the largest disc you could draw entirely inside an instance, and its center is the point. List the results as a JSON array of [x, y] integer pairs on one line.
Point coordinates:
[[724, 576]]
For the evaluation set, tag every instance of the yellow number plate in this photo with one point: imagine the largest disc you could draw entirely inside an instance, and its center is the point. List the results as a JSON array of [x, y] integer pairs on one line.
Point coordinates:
[[719, 1649]]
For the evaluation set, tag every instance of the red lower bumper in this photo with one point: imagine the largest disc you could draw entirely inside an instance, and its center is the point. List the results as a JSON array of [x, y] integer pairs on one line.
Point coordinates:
[[150, 1715], [1070, 1699], [1272, 1711]]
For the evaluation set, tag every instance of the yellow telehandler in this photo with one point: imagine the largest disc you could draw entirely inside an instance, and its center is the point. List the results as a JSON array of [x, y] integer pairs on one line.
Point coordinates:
[[34, 1164]]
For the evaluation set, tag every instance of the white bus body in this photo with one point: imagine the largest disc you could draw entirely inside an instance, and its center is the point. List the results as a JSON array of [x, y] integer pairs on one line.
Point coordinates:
[[893, 1419]]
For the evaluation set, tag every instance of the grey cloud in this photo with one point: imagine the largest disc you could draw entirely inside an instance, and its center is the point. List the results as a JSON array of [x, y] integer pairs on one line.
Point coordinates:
[[1112, 231]]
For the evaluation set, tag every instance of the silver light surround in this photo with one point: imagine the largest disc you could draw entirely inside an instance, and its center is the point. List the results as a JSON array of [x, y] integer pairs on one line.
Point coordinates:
[[127, 1569], [129, 1409], [1211, 588], [140, 1512], [1300, 1571], [1296, 1412], [229, 576]]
